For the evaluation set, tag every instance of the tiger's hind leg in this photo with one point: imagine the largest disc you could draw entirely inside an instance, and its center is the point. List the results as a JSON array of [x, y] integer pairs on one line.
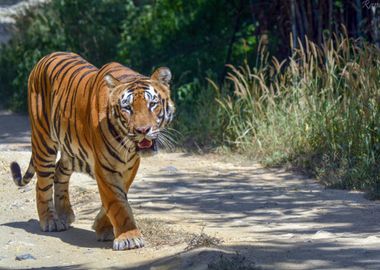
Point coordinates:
[[63, 171], [103, 227], [44, 156]]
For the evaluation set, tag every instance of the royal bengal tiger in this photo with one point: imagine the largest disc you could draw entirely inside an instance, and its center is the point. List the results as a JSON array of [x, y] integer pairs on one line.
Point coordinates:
[[100, 120]]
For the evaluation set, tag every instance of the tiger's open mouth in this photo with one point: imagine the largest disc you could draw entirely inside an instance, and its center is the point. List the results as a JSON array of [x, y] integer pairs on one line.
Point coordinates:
[[146, 145]]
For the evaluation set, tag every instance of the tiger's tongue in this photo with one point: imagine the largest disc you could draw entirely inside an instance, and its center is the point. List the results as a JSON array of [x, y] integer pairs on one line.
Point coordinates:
[[145, 144]]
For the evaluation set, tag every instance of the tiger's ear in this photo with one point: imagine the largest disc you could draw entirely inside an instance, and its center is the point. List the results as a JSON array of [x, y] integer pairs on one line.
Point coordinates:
[[111, 81], [162, 75]]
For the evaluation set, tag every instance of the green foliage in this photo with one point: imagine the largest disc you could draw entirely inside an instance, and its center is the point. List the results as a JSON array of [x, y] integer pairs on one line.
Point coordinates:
[[85, 27], [199, 116], [190, 37], [320, 110]]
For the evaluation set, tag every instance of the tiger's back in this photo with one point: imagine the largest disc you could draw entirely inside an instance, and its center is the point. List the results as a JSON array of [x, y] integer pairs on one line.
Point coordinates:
[[59, 93]]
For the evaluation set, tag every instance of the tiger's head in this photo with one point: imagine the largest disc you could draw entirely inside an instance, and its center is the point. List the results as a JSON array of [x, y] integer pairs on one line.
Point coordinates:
[[141, 107]]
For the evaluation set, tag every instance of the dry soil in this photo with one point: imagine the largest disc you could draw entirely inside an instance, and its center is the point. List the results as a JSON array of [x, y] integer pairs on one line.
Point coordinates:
[[196, 212]]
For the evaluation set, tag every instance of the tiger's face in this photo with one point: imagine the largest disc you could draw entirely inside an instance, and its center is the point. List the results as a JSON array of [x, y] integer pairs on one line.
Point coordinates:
[[142, 107]]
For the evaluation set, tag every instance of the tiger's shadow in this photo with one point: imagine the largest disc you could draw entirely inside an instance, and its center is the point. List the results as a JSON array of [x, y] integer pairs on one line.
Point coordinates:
[[74, 236]]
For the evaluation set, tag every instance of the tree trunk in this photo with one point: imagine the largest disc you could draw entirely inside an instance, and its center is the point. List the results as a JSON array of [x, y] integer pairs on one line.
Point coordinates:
[[376, 25], [331, 15], [232, 41], [358, 10], [294, 23], [320, 22], [300, 23]]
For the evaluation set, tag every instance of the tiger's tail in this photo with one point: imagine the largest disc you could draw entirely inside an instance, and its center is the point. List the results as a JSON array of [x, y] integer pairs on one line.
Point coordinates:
[[16, 173]]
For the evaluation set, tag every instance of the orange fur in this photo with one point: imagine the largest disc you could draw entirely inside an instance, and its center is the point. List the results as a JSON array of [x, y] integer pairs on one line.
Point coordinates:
[[97, 119]]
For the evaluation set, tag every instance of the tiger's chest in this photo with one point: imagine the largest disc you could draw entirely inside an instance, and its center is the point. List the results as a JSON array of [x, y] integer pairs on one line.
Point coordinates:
[[83, 159], [82, 166]]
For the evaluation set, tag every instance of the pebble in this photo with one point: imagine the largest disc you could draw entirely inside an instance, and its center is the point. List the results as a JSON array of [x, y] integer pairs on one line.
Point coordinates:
[[17, 204], [148, 204], [26, 256], [372, 238], [25, 189], [288, 235], [88, 251], [19, 243], [322, 234]]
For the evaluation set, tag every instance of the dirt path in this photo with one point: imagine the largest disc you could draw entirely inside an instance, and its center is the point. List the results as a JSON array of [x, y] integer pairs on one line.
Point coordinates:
[[272, 218]]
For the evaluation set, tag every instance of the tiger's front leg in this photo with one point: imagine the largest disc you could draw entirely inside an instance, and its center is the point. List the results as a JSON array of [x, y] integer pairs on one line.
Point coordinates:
[[102, 224], [116, 207]]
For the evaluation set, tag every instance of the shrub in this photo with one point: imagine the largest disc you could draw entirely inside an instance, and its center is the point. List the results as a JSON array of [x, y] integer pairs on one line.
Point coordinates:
[[91, 28], [320, 109]]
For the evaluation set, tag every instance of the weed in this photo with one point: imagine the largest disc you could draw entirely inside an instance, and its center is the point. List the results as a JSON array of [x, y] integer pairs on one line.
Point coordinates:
[[320, 110]]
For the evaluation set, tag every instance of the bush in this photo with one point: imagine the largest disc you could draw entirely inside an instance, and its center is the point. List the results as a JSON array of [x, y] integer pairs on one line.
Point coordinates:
[[90, 28], [320, 109], [183, 35]]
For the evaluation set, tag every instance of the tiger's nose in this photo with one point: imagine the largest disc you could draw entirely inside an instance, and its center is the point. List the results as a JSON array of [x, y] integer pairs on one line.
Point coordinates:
[[143, 130]]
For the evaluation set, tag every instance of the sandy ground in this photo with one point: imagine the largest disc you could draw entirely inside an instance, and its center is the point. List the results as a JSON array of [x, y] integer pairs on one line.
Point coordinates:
[[253, 217]]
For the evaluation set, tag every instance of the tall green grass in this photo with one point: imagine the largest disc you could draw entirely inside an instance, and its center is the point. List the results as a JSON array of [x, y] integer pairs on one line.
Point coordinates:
[[319, 109]]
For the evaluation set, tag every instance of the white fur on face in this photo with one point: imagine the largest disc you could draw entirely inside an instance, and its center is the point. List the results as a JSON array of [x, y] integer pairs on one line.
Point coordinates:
[[150, 96], [126, 99]]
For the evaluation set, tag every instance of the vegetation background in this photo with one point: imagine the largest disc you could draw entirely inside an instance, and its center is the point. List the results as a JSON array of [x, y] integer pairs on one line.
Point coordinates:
[[285, 82]]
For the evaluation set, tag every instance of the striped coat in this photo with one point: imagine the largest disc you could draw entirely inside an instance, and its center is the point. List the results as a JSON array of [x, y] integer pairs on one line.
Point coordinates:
[[100, 120]]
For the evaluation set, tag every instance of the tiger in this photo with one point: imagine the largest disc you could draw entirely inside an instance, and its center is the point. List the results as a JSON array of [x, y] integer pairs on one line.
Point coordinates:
[[100, 122]]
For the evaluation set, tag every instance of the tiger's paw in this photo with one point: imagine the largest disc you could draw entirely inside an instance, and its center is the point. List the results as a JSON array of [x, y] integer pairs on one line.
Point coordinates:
[[67, 217], [128, 240], [105, 234], [53, 224]]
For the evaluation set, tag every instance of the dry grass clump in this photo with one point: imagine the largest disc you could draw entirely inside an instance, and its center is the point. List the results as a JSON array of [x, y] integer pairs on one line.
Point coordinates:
[[202, 240], [158, 233], [319, 109]]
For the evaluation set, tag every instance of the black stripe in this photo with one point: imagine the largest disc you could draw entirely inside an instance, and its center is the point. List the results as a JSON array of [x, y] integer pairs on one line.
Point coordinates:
[[36, 154], [109, 169], [62, 172], [130, 168], [80, 145], [67, 62], [132, 157], [61, 182], [80, 163], [28, 175], [88, 169], [75, 90], [120, 190], [44, 174], [46, 188], [67, 146], [48, 166], [85, 75], [51, 151]]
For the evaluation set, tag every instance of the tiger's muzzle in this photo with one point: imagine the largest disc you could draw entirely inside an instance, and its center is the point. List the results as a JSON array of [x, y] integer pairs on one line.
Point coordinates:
[[146, 139]]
